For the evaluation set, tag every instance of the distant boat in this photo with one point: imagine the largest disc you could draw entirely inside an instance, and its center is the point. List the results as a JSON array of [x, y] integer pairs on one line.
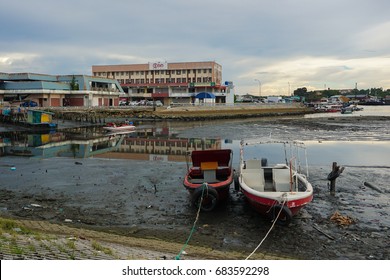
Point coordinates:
[[329, 108], [372, 102], [119, 127], [347, 110], [277, 191], [209, 177]]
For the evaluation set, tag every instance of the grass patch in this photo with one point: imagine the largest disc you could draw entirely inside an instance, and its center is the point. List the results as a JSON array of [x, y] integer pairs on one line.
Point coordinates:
[[7, 225], [98, 247], [16, 250], [71, 244], [31, 248], [12, 227]]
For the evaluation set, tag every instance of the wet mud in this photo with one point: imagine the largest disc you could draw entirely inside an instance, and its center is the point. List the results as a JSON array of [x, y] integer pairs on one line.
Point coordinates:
[[147, 199]]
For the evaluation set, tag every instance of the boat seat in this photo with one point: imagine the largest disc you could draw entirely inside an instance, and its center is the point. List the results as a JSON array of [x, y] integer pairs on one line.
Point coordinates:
[[253, 164], [281, 179], [254, 179], [210, 176], [209, 169]]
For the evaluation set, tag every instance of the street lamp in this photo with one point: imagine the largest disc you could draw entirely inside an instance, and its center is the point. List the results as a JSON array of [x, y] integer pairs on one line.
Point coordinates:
[[259, 86]]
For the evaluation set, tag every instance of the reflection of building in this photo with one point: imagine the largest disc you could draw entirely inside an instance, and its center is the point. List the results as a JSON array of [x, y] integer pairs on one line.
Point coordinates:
[[169, 82], [161, 148], [167, 146], [63, 90], [144, 146]]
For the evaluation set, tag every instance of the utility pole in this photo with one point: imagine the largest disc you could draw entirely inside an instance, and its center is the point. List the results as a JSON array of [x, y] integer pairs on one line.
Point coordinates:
[[259, 86]]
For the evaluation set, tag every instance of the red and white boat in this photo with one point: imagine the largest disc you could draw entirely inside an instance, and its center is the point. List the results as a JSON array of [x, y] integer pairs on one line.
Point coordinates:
[[209, 177], [278, 190], [113, 127]]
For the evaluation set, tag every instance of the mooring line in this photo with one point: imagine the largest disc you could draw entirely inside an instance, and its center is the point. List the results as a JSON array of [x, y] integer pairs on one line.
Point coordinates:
[[272, 226], [193, 227]]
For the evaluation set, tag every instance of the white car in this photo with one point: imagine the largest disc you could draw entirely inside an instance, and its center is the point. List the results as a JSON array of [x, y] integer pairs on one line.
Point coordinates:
[[157, 103]]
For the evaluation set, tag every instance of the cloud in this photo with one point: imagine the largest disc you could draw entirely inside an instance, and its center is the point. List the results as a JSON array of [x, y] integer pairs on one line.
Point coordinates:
[[283, 43]]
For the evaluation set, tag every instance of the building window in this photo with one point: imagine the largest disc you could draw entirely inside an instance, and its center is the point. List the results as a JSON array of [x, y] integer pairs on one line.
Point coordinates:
[[142, 72], [183, 80], [157, 72], [179, 80], [199, 71], [167, 72], [142, 81], [178, 72], [204, 70], [137, 81], [199, 80]]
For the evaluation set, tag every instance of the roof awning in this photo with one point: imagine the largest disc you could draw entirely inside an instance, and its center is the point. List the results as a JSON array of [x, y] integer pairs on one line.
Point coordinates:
[[203, 95]]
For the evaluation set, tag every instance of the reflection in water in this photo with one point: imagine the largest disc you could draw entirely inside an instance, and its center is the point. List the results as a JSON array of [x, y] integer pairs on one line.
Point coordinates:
[[144, 144], [352, 153], [156, 143]]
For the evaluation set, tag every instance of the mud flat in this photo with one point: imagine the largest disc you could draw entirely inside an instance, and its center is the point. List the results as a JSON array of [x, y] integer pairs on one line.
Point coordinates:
[[146, 200]]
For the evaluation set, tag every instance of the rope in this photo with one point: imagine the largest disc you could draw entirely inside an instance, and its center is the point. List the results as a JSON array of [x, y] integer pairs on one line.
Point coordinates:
[[272, 226], [193, 227]]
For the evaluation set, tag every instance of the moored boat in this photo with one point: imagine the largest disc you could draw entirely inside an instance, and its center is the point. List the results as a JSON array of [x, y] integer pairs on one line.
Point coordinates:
[[279, 190], [209, 177], [119, 127]]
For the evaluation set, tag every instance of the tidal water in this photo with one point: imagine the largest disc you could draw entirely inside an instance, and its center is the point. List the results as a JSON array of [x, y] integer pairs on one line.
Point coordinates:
[[138, 183]]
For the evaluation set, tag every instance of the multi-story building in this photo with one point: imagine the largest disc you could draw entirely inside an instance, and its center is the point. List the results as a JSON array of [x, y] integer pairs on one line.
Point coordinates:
[[62, 90], [178, 82]]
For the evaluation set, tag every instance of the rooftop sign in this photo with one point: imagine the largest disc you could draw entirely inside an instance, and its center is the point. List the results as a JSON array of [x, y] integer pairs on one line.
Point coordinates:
[[158, 65]]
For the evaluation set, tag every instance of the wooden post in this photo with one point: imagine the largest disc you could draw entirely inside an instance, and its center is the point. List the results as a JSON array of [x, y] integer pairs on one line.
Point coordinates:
[[336, 172], [333, 180]]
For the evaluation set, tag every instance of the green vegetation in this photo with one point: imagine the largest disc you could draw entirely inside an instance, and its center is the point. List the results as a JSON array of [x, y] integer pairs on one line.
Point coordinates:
[[313, 96], [12, 227], [73, 84], [98, 247], [71, 244]]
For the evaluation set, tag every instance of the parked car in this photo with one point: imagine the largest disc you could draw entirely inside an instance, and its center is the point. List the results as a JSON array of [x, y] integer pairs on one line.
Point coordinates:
[[122, 103], [157, 103], [133, 103], [29, 104]]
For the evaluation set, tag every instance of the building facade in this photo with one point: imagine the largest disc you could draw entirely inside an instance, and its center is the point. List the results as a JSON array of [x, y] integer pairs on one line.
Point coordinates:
[[178, 82], [62, 90]]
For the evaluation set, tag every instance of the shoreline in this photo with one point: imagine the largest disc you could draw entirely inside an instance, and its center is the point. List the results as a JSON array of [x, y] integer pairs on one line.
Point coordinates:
[[181, 112], [36, 240], [132, 209]]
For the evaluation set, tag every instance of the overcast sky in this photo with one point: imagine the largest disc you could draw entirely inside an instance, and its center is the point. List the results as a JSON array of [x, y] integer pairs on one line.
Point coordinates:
[[284, 44]]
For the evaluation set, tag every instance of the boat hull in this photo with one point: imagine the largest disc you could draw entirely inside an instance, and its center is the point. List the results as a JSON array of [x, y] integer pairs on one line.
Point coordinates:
[[278, 191], [119, 128], [209, 178], [263, 205]]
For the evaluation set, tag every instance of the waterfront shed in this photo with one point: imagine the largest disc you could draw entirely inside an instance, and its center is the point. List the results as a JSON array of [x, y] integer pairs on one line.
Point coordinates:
[[39, 117]]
